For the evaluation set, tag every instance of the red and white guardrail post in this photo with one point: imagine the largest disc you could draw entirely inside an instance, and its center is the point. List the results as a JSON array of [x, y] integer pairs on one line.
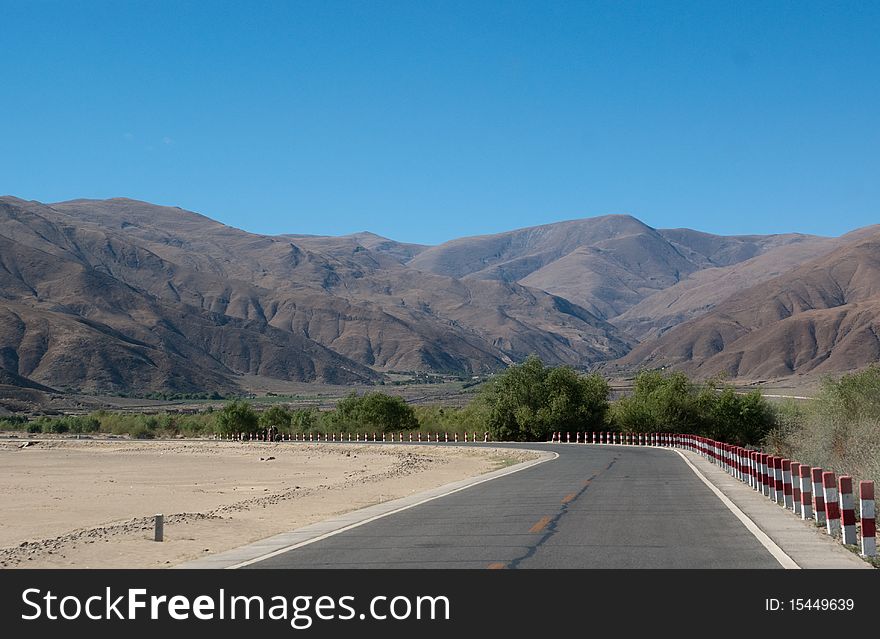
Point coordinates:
[[806, 492], [818, 496], [779, 490], [787, 500], [832, 508], [796, 487], [847, 509], [869, 518]]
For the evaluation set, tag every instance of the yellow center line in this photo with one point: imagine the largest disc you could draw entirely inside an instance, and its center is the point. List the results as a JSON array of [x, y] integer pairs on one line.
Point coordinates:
[[568, 498], [497, 566], [542, 523]]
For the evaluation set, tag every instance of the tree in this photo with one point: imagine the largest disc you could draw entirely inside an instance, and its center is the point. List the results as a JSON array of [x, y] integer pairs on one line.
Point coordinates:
[[374, 410], [659, 403], [277, 416], [237, 417], [853, 397], [529, 401], [575, 402], [302, 420], [673, 403]]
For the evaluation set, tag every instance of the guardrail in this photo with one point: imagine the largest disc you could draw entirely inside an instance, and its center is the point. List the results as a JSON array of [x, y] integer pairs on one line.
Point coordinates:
[[821, 496], [411, 438]]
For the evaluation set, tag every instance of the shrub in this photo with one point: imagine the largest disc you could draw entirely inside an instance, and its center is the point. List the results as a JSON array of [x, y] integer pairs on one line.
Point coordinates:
[[83, 424], [143, 433], [237, 417], [303, 420], [439, 419], [373, 410], [838, 431], [276, 416], [12, 422], [853, 397], [529, 401], [57, 426], [673, 403]]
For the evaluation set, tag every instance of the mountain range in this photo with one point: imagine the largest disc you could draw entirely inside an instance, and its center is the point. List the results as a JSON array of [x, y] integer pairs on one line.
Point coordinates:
[[119, 295]]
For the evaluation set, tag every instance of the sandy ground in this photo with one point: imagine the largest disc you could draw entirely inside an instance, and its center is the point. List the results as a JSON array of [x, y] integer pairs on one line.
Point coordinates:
[[90, 504]]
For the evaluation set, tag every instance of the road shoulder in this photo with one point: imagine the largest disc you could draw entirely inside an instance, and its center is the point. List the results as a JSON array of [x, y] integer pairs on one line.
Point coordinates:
[[803, 541]]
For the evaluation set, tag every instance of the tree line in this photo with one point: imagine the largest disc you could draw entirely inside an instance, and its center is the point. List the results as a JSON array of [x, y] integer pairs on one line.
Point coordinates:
[[526, 402]]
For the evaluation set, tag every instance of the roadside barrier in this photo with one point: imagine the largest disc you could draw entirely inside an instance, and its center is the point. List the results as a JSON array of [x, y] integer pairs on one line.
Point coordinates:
[[806, 492], [832, 508], [847, 510], [869, 518], [760, 472], [778, 496], [818, 496], [787, 500]]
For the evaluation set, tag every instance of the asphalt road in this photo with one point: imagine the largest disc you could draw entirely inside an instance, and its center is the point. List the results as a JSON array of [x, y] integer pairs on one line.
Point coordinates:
[[593, 507]]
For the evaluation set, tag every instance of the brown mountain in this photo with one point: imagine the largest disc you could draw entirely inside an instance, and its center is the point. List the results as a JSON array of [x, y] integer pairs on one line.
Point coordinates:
[[359, 302], [605, 264], [107, 295], [822, 316], [119, 294], [703, 290]]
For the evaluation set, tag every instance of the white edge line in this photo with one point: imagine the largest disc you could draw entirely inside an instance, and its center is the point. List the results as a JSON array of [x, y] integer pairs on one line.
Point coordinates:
[[778, 554], [281, 551]]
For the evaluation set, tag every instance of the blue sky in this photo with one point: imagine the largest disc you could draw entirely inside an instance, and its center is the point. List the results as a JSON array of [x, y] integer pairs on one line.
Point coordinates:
[[424, 121]]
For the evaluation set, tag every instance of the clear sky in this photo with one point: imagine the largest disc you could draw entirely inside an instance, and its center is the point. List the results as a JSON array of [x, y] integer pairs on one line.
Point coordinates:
[[424, 121]]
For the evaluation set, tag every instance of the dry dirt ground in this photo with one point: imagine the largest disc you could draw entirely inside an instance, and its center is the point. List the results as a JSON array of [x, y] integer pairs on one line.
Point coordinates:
[[91, 503]]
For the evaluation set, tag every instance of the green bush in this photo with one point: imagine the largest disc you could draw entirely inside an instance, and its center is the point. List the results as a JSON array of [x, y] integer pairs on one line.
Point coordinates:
[[853, 397], [659, 403], [673, 403], [143, 433], [529, 401], [371, 411], [276, 416], [446, 419], [838, 431], [57, 426], [237, 417], [12, 422], [83, 424], [737, 418], [303, 420]]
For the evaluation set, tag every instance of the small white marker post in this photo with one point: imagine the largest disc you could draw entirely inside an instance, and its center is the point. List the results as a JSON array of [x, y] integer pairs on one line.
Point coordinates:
[[159, 534]]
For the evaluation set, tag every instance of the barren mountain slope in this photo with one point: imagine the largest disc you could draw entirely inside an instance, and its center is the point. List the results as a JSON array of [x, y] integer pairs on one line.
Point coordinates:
[[359, 303], [605, 264], [819, 317], [67, 321]]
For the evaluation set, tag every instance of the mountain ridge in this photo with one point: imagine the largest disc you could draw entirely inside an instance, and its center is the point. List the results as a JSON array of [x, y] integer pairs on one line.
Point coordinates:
[[161, 298]]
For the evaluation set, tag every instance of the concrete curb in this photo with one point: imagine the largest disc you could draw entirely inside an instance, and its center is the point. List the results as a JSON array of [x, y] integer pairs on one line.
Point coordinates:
[[284, 542]]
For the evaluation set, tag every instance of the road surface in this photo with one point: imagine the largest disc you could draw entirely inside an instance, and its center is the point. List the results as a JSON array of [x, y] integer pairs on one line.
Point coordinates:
[[593, 507]]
